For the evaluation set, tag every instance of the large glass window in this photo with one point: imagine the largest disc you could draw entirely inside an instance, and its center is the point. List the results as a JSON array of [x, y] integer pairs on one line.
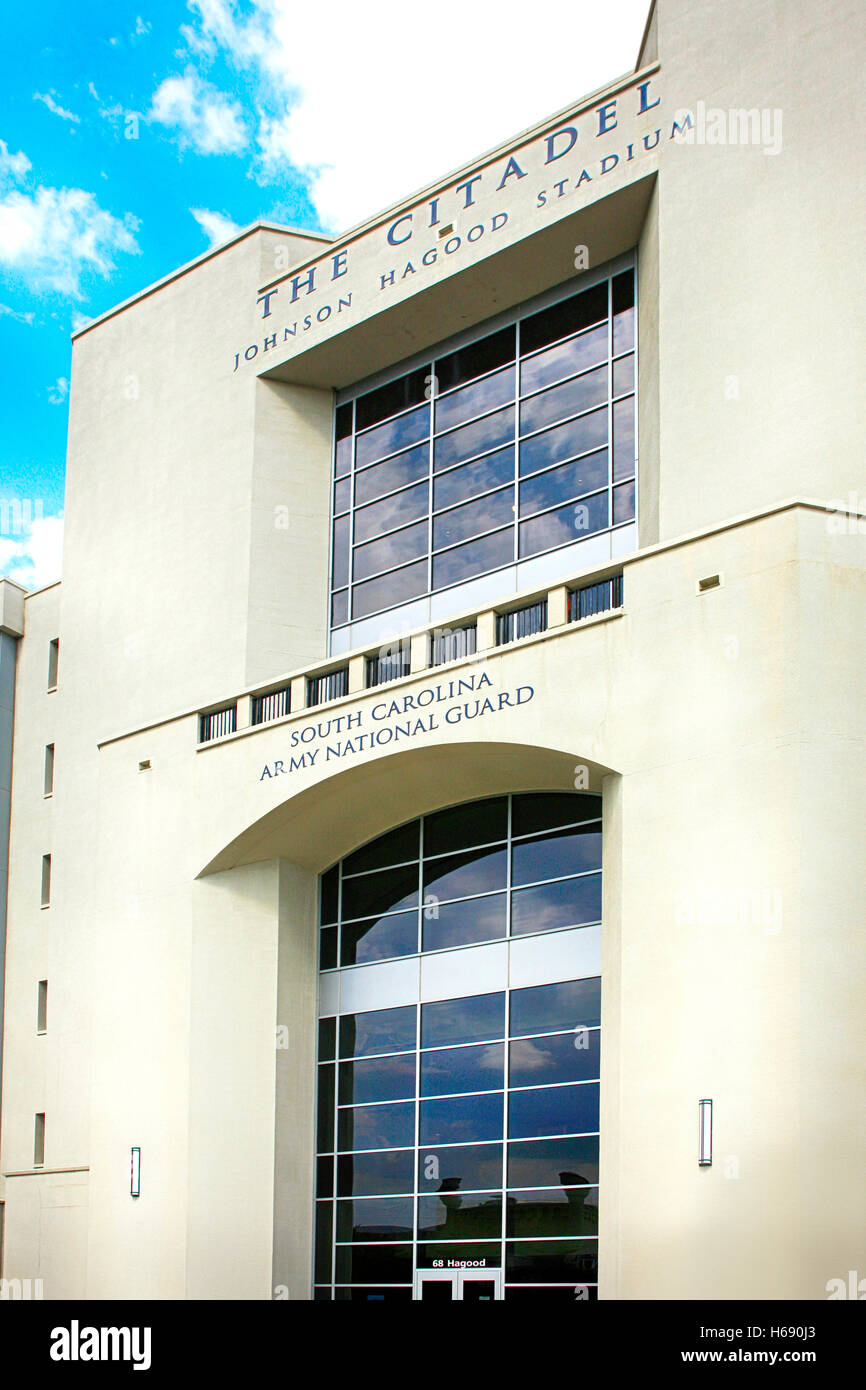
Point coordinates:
[[507, 866], [520, 442], [464, 1129]]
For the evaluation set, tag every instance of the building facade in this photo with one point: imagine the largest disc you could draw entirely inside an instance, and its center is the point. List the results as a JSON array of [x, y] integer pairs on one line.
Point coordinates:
[[458, 661]]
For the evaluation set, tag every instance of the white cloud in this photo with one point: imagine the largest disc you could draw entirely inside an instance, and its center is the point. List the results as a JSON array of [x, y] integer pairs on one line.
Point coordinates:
[[12, 166], [215, 225], [200, 113], [404, 93], [79, 320], [58, 393], [50, 236], [47, 99], [141, 27], [34, 559], [17, 315]]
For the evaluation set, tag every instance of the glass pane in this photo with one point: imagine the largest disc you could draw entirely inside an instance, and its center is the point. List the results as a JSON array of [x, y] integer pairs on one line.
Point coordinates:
[[496, 509], [563, 1057], [479, 1291], [563, 442], [342, 496], [381, 1030], [558, 402], [393, 511], [551, 1293], [475, 823], [391, 551], [474, 400], [566, 524], [490, 433], [552, 1261], [479, 357], [623, 438], [461, 924], [569, 1212], [553, 1110], [462, 1120], [325, 1110], [383, 1172], [566, 317], [623, 503], [340, 608], [327, 1039], [454, 1069], [381, 1078], [569, 904], [554, 1162], [453, 566], [471, 1168], [369, 1264], [328, 948], [479, 476], [395, 434], [459, 875], [384, 890], [531, 811], [389, 590], [486, 1255], [324, 1237], [396, 847], [340, 558], [329, 888], [437, 1290], [343, 457], [393, 473], [377, 405], [394, 1294], [343, 420], [324, 1177], [377, 1127], [375, 1218], [463, 1020], [546, 1008], [379, 938], [456, 1216], [623, 375], [559, 484], [558, 854], [564, 360], [623, 312]]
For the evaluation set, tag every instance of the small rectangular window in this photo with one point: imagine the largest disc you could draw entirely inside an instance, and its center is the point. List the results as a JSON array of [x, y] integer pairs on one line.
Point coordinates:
[[53, 657], [49, 769], [46, 880], [450, 644], [42, 1007], [521, 622], [39, 1141]]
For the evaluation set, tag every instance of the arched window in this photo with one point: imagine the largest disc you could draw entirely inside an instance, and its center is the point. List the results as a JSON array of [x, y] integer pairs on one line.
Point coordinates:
[[458, 1130]]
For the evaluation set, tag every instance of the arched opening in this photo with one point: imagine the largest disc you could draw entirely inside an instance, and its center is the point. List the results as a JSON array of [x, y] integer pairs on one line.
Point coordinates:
[[457, 1130]]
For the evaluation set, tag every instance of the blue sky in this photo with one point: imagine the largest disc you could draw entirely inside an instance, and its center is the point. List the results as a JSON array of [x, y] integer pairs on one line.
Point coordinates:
[[134, 136]]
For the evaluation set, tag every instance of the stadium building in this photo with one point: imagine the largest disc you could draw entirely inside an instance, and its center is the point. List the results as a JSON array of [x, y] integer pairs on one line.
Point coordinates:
[[436, 825]]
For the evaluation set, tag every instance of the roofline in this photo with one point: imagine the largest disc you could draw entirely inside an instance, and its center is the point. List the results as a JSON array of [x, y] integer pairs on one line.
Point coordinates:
[[649, 19], [258, 226], [584, 103]]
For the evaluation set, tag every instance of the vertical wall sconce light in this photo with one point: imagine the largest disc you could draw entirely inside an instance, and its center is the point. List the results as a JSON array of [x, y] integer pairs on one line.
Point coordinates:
[[705, 1133], [135, 1173]]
